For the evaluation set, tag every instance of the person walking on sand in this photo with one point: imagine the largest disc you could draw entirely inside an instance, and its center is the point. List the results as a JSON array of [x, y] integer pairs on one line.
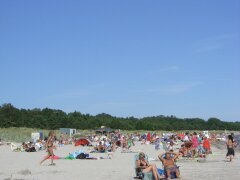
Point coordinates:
[[230, 150], [50, 146]]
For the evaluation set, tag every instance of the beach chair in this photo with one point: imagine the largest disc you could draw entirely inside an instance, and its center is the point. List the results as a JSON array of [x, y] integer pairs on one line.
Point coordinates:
[[139, 173], [173, 175]]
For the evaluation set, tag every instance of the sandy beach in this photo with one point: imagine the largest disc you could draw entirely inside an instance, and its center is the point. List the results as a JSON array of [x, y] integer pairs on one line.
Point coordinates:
[[23, 165]]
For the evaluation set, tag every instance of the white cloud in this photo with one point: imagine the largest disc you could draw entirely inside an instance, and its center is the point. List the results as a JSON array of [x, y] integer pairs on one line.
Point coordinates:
[[174, 89], [214, 43]]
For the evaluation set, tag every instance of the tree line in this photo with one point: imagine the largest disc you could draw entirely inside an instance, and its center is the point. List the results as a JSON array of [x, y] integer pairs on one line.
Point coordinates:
[[46, 118]]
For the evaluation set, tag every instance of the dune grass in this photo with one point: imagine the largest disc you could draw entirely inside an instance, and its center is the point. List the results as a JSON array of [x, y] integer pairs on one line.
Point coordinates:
[[14, 134]]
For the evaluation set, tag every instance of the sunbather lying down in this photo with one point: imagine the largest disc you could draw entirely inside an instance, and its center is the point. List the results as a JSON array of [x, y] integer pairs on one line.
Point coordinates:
[[169, 164]]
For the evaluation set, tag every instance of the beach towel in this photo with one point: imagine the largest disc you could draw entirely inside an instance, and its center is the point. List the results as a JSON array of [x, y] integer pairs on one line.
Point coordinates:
[[69, 158], [161, 172], [54, 157]]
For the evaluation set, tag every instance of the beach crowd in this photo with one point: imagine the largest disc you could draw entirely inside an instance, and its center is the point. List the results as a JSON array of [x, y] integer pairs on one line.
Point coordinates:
[[176, 146]]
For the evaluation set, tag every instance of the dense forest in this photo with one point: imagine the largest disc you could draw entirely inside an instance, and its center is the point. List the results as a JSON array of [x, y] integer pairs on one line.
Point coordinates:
[[11, 116]]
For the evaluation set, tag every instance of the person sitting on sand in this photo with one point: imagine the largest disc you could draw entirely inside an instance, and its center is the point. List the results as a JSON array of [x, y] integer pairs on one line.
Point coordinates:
[[106, 143], [144, 166], [101, 147], [129, 143], [25, 146], [124, 144], [170, 146], [29, 147], [39, 145], [50, 147], [113, 146], [169, 164], [182, 151]]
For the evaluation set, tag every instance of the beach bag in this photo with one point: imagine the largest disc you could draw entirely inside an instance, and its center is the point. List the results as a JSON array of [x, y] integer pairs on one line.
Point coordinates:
[[81, 156], [32, 149]]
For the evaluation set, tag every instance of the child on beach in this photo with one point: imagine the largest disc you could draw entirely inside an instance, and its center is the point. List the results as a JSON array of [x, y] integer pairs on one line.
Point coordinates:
[[50, 147]]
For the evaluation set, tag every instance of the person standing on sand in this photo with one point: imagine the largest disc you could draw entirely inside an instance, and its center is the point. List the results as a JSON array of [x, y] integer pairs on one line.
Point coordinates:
[[186, 137], [194, 144], [206, 145], [230, 150], [50, 146]]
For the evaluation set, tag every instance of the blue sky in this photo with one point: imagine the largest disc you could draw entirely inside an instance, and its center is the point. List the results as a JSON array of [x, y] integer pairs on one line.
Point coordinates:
[[125, 58]]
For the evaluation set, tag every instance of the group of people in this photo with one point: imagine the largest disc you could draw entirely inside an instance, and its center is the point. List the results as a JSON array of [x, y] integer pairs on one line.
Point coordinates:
[[189, 145], [195, 145], [168, 160], [192, 145], [65, 139], [110, 142], [28, 146]]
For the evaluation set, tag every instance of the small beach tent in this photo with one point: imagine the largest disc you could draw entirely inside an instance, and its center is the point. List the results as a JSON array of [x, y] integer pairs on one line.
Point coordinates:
[[68, 131], [83, 142]]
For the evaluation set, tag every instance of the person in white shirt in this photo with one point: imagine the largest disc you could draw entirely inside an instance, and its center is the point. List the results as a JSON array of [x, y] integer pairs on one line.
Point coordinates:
[[186, 138]]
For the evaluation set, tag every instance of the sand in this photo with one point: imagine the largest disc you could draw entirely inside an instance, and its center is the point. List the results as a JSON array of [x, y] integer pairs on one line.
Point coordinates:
[[25, 166]]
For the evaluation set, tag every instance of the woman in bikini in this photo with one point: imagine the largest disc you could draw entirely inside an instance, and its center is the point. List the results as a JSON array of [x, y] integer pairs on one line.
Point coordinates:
[[142, 164], [50, 146]]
